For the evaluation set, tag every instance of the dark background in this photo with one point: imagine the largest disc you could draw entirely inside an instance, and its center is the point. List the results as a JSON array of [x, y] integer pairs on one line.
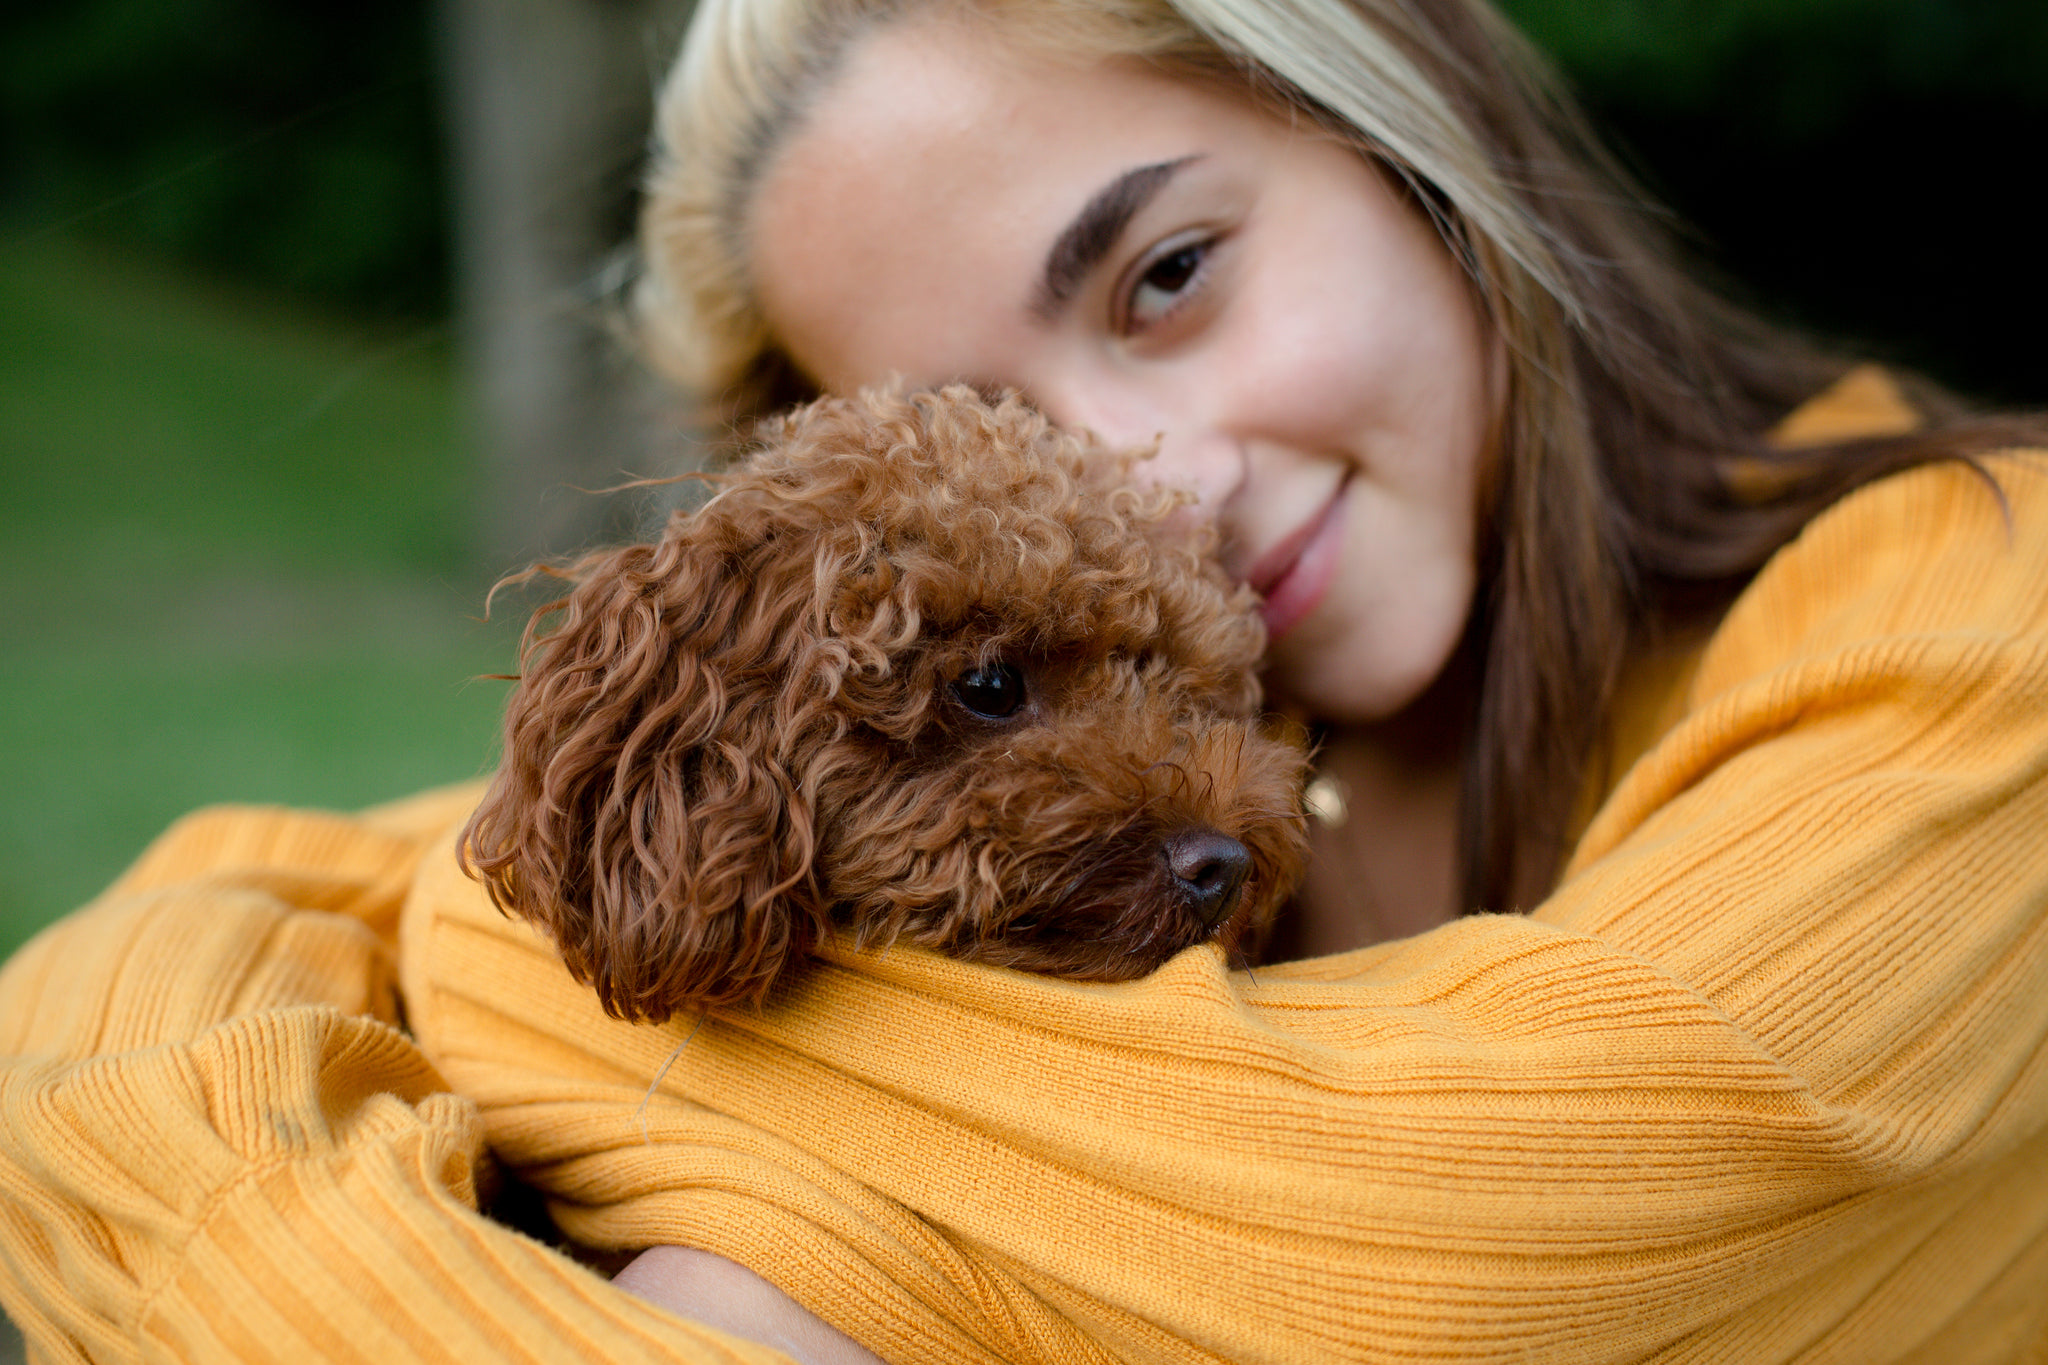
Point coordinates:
[[296, 148]]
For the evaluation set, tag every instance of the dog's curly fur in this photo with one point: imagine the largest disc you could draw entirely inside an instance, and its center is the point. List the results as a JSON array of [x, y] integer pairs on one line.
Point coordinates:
[[788, 714]]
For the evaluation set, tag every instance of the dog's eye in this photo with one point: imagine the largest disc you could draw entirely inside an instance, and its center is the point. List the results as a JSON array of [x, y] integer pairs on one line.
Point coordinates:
[[992, 691]]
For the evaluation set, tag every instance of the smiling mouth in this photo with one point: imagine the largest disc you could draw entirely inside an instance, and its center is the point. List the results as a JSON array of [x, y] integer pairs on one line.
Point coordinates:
[[1291, 578]]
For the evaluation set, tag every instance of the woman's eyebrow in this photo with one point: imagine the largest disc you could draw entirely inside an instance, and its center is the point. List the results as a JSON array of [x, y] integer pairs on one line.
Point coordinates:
[[1083, 243]]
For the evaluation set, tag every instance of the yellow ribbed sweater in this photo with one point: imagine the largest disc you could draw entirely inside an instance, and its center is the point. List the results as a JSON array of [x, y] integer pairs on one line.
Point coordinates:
[[1766, 1079]]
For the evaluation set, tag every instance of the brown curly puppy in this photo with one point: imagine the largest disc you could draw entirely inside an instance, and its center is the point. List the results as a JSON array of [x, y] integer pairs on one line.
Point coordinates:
[[923, 668]]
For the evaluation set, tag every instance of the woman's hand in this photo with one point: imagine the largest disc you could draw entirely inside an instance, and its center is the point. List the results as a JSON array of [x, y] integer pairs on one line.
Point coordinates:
[[719, 1293]]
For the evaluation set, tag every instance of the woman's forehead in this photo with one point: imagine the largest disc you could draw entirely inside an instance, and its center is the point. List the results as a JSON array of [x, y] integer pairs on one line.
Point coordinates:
[[903, 226]]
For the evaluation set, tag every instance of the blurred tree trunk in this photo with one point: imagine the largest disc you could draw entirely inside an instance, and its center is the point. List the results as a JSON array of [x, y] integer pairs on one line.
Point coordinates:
[[549, 103]]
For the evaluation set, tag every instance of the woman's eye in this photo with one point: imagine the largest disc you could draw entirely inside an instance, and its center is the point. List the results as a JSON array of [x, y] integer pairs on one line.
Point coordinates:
[[1167, 281], [991, 691]]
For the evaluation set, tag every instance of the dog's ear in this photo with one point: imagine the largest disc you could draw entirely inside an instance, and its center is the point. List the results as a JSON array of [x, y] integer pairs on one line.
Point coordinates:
[[644, 813]]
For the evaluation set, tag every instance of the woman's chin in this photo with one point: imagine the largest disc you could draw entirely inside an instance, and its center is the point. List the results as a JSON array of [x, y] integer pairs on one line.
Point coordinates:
[[1352, 678]]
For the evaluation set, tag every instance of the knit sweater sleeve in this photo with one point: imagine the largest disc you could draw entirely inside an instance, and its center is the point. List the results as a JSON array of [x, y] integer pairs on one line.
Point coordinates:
[[1766, 1079], [217, 1144]]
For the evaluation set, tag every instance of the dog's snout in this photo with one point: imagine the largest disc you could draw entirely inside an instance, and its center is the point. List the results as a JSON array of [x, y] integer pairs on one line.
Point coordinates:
[[1210, 870]]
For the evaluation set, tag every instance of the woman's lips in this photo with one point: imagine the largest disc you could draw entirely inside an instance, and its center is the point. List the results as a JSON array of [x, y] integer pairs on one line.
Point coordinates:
[[1292, 577]]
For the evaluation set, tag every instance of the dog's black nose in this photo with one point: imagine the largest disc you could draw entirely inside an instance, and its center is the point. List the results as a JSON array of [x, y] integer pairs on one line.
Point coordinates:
[[1209, 869]]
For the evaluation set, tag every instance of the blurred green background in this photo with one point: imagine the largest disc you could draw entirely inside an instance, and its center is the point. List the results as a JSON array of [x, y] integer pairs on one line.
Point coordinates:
[[233, 471], [238, 489]]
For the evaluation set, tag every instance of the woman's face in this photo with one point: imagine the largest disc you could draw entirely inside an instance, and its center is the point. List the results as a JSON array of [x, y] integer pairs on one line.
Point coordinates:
[[1154, 260]]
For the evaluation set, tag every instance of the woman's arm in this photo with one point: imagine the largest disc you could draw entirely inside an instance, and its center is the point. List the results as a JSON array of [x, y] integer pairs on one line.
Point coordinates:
[[719, 1293], [1767, 1078], [216, 1144]]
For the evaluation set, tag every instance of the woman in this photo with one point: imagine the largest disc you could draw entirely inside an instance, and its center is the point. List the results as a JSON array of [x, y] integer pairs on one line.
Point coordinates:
[[1749, 722]]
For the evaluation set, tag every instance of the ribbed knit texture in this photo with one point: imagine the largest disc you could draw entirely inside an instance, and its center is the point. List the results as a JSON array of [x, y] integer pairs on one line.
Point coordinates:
[[1765, 1080], [216, 1145]]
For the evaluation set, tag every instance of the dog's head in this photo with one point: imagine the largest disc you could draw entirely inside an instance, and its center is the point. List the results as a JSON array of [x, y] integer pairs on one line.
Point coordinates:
[[923, 669]]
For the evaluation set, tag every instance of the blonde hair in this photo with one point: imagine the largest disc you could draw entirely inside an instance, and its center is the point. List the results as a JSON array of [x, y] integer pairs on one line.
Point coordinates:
[[1634, 391]]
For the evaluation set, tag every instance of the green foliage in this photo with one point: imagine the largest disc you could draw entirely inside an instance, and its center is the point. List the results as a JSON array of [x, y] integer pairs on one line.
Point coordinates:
[[192, 420], [230, 538], [291, 145], [1818, 63], [1864, 168]]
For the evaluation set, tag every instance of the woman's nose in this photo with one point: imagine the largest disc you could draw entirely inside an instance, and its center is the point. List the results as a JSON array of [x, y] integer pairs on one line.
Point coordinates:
[[1201, 458], [1191, 451]]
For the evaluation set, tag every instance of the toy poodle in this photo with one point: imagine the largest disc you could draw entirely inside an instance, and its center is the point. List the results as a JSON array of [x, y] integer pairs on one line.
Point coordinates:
[[923, 669]]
